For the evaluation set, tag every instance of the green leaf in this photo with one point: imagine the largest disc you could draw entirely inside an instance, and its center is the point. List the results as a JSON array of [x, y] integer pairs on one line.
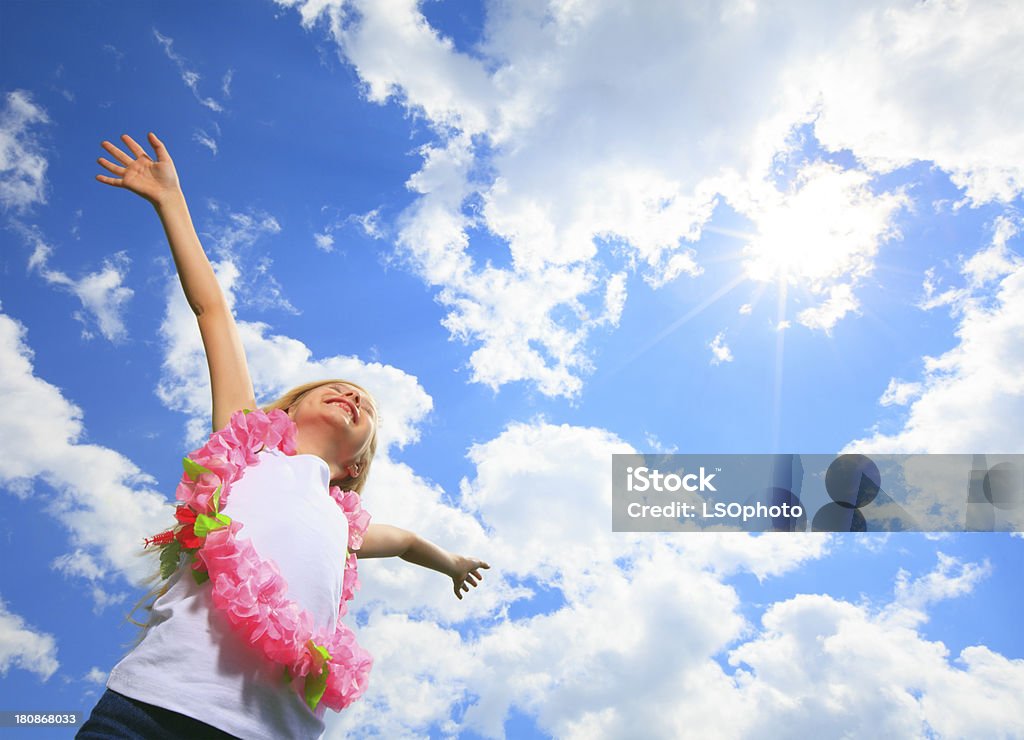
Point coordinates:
[[216, 499], [316, 686], [170, 558], [206, 524], [246, 411], [201, 576], [193, 468], [203, 525]]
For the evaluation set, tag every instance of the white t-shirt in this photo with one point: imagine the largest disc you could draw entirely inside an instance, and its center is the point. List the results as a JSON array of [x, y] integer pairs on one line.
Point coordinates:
[[191, 661]]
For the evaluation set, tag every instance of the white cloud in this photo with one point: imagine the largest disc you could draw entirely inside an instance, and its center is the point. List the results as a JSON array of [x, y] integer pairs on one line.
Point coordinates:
[[614, 299], [824, 667], [237, 232], [975, 382], [225, 83], [23, 164], [188, 76], [538, 510], [324, 242], [22, 160], [826, 315], [655, 445], [396, 495], [103, 499], [201, 137], [678, 264], [601, 136], [233, 236], [103, 295], [116, 53], [567, 669], [533, 478], [931, 298], [815, 663], [930, 82], [81, 564], [462, 100], [370, 223], [22, 647], [96, 676], [720, 351], [900, 393], [764, 556], [997, 260], [950, 579]]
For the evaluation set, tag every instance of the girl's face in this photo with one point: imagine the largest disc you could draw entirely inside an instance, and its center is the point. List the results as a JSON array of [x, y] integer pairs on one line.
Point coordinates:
[[336, 422]]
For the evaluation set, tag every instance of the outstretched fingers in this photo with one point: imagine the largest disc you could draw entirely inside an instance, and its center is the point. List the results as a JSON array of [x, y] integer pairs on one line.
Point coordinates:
[[117, 153], [115, 181], [111, 166], [137, 150], [472, 578]]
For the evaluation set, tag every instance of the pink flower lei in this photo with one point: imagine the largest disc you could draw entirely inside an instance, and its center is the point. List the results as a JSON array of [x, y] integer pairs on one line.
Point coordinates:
[[331, 669]]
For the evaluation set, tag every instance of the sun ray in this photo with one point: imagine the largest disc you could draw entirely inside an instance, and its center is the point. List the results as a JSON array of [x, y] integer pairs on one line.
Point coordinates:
[[898, 269], [762, 288], [780, 342], [896, 337], [735, 233], [713, 298]]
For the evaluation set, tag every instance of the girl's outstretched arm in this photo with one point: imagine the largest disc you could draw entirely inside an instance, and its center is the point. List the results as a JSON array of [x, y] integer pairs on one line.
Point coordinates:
[[157, 182], [383, 540]]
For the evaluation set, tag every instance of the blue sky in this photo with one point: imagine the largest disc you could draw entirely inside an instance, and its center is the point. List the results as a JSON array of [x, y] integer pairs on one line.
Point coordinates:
[[542, 233]]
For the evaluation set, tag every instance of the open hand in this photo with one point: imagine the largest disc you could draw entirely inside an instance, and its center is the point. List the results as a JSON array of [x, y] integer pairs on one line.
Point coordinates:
[[154, 181], [466, 571]]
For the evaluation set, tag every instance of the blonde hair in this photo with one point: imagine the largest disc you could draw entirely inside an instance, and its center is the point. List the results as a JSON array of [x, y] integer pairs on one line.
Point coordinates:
[[285, 402]]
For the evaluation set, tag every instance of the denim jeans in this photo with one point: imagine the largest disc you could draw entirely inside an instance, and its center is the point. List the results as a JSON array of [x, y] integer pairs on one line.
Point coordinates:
[[117, 716]]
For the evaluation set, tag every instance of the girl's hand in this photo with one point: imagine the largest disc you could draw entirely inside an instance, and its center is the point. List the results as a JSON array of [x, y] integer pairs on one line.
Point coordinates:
[[466, 571], [154, 181]]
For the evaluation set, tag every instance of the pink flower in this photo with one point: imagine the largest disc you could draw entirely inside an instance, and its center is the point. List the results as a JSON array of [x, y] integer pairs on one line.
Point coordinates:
[[350, 584], [358, 520]]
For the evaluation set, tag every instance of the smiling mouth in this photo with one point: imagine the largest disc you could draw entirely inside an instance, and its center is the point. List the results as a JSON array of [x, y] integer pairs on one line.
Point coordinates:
[[353, 412]]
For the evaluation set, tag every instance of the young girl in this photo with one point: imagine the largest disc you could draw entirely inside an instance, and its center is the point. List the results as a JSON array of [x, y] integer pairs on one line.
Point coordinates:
[[246, 639]]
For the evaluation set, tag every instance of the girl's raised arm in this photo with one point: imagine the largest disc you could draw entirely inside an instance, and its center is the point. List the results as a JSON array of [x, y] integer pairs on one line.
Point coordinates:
[[157, 182]]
